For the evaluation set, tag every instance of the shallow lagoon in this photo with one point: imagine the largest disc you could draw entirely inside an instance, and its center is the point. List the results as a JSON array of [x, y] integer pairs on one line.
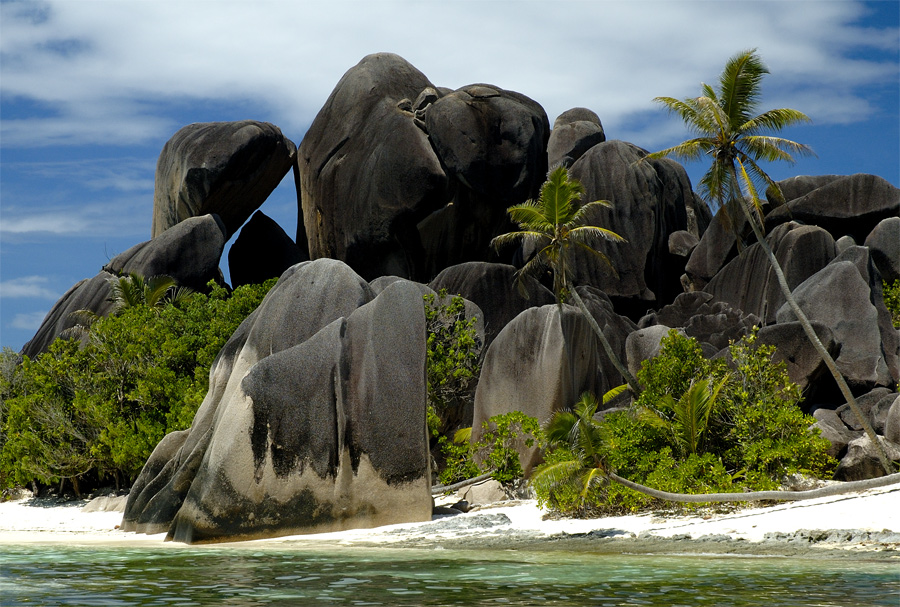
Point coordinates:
[[219, 575]]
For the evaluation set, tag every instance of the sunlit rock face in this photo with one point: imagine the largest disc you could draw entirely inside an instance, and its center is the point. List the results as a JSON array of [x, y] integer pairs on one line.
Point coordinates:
[[226, 168], [315, 420]]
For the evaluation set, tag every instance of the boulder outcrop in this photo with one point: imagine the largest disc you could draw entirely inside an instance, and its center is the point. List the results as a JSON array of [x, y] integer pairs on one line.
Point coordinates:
[[539, 363], [884, 246], [262, 251], [574, 132], [315, 419], [225, 168]]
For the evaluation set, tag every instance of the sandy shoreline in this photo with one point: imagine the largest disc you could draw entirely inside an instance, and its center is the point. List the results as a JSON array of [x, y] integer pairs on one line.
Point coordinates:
[[858, 525]]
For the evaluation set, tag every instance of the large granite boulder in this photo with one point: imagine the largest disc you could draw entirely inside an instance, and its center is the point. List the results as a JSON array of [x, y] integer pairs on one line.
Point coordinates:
[[574, 132], [368, 172], [189, 252], [262, 251], [805, 366], [644, 344], [795, 187], [493, 145], [884, 245], [717, 246], [225, 168], [539, 364], [615, 328], [853, 204], [89, 294], [492, 287], [748, 281], [845, 296], [315, 419], [650, 201]]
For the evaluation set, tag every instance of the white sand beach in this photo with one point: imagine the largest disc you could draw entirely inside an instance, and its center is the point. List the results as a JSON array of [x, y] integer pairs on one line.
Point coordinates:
[[865, 521]]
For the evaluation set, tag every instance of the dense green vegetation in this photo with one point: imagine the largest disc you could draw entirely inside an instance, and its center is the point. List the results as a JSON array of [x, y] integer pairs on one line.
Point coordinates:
[[94, 411], [892, 300], [699, 426]]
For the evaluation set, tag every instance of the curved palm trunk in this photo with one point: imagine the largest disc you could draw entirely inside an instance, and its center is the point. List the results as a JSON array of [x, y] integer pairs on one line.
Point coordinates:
[[632, 382], [889, 468], [752, 496]]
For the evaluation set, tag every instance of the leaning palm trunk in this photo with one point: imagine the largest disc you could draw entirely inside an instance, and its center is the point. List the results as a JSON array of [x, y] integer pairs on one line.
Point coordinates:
[[816, 342], [752, 496], [607, 347]]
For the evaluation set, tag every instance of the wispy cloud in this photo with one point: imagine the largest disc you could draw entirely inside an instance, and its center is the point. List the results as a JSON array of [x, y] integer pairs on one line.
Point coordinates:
[[93, 65], [34, 287], [29, 321]]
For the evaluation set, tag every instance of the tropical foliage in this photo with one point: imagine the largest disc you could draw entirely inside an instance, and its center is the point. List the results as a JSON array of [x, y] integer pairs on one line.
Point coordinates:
[[94, 411], [736, 138], [700, 426]]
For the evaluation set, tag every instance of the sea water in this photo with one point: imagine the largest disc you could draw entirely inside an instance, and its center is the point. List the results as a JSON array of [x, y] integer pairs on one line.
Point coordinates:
[[216, 575]]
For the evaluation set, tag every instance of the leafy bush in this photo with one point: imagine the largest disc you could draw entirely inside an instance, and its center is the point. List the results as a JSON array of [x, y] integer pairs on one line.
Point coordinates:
[[103, 407], [891, 293], [452, 360], [754, 435], [496, 451]]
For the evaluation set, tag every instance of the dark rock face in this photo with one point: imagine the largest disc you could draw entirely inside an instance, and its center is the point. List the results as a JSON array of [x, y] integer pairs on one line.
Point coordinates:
[[616, 329], [189, 252], [717, 246], [262, 251], [368, 172], [874, 406], [540, 363], [801, 185], [574, 132], [699, 316], [650, 201], [852, 204], [892, 422], [493, 144], [315, 419], [884, 245], [804, 365], [748, 282], [89, 294], [862, 462], [869, 345], [491, 286], [833, 428], [226, 168]]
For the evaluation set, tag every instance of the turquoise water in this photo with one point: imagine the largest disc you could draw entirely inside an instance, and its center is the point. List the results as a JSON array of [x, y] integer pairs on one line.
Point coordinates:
[[179, 576]]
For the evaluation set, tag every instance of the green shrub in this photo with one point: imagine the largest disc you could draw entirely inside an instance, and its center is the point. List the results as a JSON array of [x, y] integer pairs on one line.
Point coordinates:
[[453, 352], [103, 407], [496, 451], [891, 292], [755, 433]]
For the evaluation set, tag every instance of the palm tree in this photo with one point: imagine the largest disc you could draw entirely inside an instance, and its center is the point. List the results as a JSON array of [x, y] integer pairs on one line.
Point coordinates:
[[687, 418], [134, 290], [554, 225], [731, 133]]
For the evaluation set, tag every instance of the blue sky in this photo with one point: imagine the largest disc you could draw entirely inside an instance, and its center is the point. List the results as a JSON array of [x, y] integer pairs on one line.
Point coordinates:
[[90, 91]]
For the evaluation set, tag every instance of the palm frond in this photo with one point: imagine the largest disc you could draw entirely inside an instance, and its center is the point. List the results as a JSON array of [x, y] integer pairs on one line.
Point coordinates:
[[530, 215], [526, 237], [550, 478], [614, 392], [692, 149], [685, 109], [558, 195], [762, 147], [748, 188], [598, 254], [588, 234], [774, 120], [739, 86]]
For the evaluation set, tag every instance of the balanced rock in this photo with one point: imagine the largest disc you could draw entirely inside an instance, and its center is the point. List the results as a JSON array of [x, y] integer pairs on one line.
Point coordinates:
[[853, 204], [368, 172], [262, 251], [226, 168], [540, 363], [574, 132]]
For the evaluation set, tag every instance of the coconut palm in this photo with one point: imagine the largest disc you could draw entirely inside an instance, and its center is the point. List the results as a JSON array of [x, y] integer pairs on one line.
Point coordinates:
[[687, 418], [734, 136], [554, 225], [134, 290]]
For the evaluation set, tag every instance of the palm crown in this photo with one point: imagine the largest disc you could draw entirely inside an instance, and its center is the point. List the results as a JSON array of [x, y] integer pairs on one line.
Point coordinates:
[[731, 133], [554, 224]]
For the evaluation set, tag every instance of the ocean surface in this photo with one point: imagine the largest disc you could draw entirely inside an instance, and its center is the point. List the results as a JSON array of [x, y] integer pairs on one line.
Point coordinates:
[[217, 575]]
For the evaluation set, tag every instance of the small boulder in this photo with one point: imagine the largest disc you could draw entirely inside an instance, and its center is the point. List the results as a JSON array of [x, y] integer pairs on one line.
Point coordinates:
[[892, 422], [644, 344], [831, 427], [485, 492], [862, 460], [574, 132]]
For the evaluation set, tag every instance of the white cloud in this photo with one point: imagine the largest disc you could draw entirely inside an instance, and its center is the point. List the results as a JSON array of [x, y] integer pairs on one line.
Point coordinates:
[[27, 286], [96, 65], [30, 321]]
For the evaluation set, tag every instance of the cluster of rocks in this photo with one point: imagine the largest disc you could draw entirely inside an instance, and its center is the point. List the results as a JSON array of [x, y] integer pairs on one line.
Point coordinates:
[[315, 414]]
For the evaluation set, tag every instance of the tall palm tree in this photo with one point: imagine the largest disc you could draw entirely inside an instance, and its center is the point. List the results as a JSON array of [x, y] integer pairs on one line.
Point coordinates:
[[731, 133], [555, 225]]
